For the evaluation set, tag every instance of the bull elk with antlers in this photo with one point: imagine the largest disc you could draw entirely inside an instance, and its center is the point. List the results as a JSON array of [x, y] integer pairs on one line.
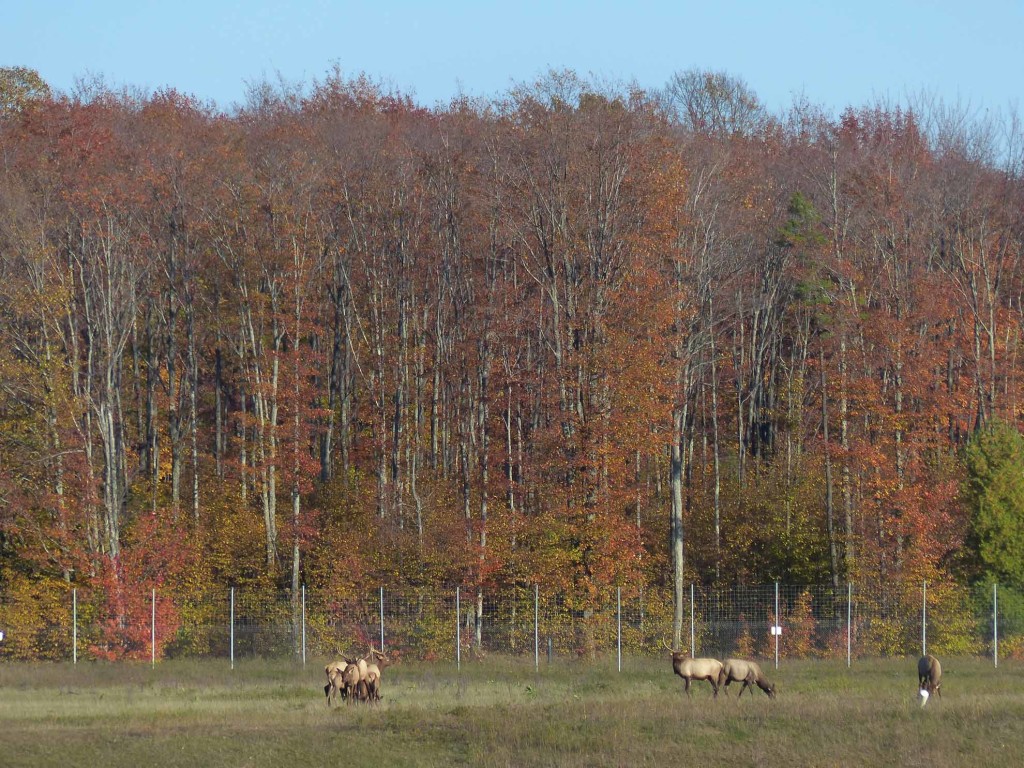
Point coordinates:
[[695, 669]]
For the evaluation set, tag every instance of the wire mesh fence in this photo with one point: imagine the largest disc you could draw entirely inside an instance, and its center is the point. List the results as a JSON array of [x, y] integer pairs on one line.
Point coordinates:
[[773, 621]]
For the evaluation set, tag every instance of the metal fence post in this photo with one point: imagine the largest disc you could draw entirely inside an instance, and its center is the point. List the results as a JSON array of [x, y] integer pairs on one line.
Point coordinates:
[[458, 630], [618, 614], [232, 627], [924, 617], [74, 626], [849, 620], [382, 619], [995, 625], [152, 633], [303, 625], [536, 627], [778, 625], [693, 649]]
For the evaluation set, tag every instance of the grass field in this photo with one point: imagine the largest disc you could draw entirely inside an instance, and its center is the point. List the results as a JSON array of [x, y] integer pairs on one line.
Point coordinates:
[[500, 712]]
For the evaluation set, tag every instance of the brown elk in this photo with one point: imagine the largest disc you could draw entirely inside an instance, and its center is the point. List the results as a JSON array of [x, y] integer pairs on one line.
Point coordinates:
[[352, 684], [747, 672], [695, 669], [375, 660], [334, 671], [929, 675]]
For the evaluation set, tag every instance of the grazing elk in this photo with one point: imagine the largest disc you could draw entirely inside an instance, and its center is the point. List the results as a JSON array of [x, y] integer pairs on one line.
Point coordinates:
[[747, 672], [695, 669], [929, 675]]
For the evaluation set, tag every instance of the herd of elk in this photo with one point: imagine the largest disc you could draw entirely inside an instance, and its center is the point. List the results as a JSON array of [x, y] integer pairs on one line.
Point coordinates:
[[719, 674], [359, 679], [356, 679]]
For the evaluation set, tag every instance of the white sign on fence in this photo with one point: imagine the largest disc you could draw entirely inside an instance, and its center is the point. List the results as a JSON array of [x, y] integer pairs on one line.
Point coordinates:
[[776, 630]]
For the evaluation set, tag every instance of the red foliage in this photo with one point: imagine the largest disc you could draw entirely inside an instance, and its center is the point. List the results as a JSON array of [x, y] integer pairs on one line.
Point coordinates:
[[157, 559]]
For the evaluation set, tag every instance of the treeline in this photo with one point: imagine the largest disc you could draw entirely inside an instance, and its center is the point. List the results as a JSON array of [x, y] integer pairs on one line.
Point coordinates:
[[577, 334]]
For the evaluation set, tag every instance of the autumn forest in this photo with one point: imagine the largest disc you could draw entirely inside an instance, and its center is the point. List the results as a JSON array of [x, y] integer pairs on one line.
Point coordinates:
[[581, 334]]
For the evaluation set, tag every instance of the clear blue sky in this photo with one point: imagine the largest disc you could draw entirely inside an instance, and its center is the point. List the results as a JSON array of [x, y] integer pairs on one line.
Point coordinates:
[[834, 53]]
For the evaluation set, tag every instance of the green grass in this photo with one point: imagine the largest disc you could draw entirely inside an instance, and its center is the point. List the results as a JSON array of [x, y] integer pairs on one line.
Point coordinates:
[[501, 713]]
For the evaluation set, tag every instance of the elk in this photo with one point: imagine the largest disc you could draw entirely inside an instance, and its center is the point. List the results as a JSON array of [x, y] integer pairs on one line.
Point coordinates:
[[334, 670], [375, 660], [353, 685], [929, 675], [695, 669], [747, 672]]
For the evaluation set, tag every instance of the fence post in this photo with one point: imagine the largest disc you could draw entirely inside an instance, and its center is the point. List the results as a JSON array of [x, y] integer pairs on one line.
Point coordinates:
[[924, 617], [995, 625], [618, 614], [382, 619], [778, 625], [536, 627], [303, 625], [693, 650], [849, 619], [74, 626], [458, 629], [232, 627], [152, 633]]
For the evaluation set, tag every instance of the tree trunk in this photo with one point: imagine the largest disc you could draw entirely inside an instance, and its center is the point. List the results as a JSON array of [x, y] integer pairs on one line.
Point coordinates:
[[829, 506]]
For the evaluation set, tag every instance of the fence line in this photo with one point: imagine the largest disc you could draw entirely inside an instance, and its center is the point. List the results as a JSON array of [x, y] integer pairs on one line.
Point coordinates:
[[777, 620], [995, 625]]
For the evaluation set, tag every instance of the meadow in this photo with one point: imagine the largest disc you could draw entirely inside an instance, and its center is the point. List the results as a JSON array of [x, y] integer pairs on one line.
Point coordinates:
[[501, 712]]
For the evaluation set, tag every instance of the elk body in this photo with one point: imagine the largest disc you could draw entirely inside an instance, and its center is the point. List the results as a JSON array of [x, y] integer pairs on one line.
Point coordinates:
[[747, 672], [929, 675], [352, 684], [334, 671], [374, 661], [695, 669]]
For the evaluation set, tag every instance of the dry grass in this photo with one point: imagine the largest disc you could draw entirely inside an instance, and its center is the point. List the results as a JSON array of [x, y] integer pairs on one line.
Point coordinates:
[[501, 713]]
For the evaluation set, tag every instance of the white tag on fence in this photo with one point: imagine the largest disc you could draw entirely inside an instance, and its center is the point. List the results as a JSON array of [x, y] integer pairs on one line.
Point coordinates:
[[776, 630]]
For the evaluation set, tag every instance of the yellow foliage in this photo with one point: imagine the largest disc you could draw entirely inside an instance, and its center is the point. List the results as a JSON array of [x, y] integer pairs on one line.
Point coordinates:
[[798, 642], [36, 619], [745, 642], [1012, 647], [881, 637]]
